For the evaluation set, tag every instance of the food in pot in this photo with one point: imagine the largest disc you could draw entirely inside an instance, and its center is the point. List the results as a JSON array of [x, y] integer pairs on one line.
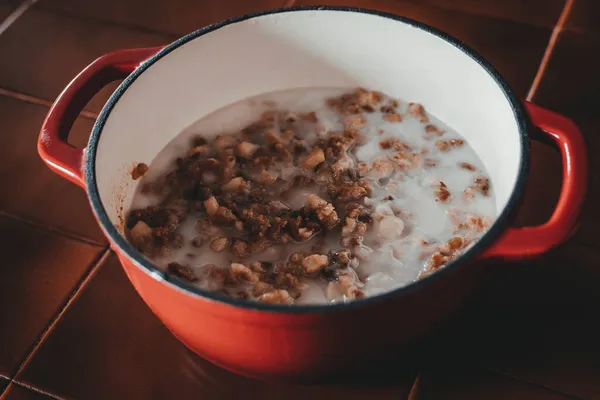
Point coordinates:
[[321, 196]]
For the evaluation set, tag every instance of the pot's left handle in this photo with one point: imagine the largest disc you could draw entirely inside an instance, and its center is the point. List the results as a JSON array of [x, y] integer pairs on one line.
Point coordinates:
[[57, 153]]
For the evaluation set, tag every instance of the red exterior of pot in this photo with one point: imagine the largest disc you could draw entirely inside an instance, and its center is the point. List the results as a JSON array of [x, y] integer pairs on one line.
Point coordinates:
[[286, 345]]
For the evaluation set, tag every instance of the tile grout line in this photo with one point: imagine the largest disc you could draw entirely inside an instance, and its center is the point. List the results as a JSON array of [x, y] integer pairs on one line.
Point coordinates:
[[15, 14], [40, 102], [558, 28], [37, 390], [56, 231], [89, 274]]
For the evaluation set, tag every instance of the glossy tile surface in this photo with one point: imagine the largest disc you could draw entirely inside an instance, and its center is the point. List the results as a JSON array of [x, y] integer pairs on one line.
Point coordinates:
[[39, 270]]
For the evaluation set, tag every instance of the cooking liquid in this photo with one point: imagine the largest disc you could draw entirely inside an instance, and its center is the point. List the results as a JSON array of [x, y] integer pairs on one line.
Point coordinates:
[[385, 264]]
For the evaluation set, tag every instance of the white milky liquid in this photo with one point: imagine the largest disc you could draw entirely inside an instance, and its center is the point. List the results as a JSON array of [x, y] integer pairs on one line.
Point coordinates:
[[390, 263]]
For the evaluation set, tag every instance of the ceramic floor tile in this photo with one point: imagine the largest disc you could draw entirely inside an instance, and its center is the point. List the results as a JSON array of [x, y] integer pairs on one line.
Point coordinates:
[[477, 384], [31, 189], [536, 12], [570, 86], [535, 321], [16, 392], [48, 49], [174, 17], [501, 42], [109, 345], [38, 273]]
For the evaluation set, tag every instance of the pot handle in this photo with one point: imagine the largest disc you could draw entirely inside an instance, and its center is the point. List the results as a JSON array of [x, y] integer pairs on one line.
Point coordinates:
[[528, 242], [63, 158]]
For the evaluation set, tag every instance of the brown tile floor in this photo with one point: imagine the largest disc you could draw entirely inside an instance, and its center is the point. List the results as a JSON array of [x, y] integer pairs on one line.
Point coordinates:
[[526, 338], [39, 271]]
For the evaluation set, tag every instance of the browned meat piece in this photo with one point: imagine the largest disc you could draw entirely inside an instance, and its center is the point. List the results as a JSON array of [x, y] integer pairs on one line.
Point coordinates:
[[182, 271]]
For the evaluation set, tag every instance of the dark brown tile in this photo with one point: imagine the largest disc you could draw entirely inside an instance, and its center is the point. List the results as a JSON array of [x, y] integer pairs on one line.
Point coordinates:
[[109, 345], [48, 49], [31, 190], [467, 384], [584, 17], [570, 86], [534, 12], [500, 42], [39, 272], [175, 17], [535, 321], [17, 392]]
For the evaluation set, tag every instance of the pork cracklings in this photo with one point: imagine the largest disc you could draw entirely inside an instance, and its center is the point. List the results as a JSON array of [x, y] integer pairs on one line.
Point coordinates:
[[310, 196]]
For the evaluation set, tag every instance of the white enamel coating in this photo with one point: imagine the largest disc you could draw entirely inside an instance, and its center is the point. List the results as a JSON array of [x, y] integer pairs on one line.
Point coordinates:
[[311, 48]]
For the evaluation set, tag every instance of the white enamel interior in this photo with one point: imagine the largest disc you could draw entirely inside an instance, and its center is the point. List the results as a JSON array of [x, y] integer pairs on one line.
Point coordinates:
[[312, 48]]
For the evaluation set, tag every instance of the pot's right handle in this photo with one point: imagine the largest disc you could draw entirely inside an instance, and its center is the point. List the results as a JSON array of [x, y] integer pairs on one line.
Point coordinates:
[[528, 242], [57, 153]]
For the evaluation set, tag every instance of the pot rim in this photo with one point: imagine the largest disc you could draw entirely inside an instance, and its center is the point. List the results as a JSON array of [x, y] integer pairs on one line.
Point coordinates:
[[145, 265]]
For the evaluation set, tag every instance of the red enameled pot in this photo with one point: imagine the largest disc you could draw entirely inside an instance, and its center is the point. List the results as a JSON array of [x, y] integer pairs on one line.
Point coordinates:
[[167, 89]]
